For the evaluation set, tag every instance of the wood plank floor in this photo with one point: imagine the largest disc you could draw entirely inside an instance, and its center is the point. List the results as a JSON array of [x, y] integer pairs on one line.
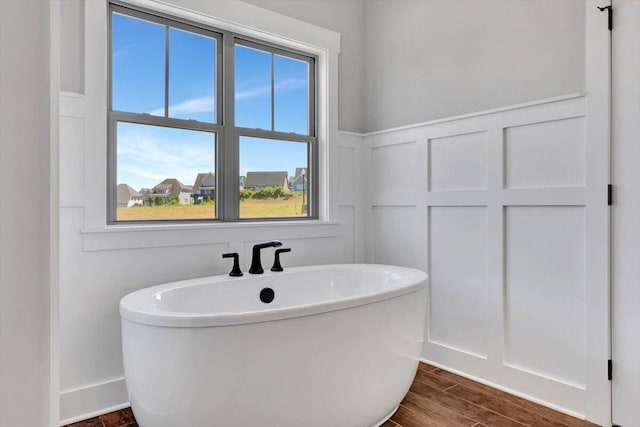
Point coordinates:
[[437, 398], [440, 398], [122, 418]]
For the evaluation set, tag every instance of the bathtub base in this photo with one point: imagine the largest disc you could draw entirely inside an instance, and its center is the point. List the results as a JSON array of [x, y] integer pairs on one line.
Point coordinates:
[[386, 417]]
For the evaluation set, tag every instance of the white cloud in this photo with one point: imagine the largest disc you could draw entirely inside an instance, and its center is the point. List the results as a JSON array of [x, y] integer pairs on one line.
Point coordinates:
[[253, 93], [206, 104], [290, 84], [155, 177], [283, 86], [145, 159], [195, 105]]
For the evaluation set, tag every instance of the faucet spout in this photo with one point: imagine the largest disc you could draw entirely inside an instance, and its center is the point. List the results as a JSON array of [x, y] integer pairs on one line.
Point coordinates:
[[256, 262]]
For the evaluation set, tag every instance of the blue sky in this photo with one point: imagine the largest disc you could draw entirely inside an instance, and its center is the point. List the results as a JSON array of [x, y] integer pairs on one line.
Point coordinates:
[[148, 154]]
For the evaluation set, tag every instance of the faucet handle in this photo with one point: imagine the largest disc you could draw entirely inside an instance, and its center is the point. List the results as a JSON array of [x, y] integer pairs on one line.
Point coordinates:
[[276, 261], [235, 271]]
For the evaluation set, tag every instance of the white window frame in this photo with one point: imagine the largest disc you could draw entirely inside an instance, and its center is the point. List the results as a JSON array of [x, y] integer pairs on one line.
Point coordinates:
[[227, 134], [85, 193]]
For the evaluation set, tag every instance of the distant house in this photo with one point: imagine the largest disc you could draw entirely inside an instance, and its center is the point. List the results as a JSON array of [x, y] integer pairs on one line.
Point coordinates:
[[242, 181], [258, 180], [170, 189], [127, 197], [299, 181], [299, 172], [204, 188], [145, 192]]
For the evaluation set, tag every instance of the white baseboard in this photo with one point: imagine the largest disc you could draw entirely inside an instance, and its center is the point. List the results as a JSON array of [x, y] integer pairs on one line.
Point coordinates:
[[506, 389], [93, 400]]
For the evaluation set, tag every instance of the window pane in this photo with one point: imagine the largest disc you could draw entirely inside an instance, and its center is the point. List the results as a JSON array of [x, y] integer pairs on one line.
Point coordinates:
[[253, 88], [192, 76], [291, 78], [273, 178], [164, 173], [138, 62]]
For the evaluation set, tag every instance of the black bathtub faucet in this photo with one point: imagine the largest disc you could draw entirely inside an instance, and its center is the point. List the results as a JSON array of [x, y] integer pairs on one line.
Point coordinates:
[[256, 263], [276, 260], [235, 271]]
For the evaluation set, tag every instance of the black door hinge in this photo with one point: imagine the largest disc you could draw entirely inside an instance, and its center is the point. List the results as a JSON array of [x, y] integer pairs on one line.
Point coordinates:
[[609, 194], [609, 10], [609, 370]]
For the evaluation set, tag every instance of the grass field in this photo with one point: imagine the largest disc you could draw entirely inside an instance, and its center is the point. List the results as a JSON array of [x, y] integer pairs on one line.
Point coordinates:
[[250, 208]]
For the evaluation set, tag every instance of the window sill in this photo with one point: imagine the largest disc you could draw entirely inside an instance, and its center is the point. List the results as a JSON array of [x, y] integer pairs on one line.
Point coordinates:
[[113, 237]]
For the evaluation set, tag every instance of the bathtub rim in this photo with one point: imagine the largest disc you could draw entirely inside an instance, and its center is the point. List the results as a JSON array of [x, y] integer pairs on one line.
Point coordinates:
[[132, 307]]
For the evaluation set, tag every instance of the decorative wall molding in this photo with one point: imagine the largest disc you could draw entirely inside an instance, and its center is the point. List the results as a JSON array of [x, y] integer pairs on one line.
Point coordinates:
[[476, 114], [92, 400], [117, 237], [494, 206]]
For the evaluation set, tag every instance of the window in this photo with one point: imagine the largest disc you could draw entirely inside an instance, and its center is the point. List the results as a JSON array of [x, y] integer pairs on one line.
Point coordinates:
[[206, 125]]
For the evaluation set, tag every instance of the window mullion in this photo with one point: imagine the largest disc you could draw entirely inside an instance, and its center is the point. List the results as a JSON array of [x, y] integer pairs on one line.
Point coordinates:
[[312, 98], [285, 136], [166, 71], [219, 76], [229, 156], [273, 94], [111, 170], [313, 182], [147, 119]]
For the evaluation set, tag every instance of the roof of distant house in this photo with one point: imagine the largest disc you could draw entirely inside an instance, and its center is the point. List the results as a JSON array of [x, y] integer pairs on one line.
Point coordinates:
[[266, 179], [298, 178], [299, 172], [201, 178], [174, 187], [125, 193]]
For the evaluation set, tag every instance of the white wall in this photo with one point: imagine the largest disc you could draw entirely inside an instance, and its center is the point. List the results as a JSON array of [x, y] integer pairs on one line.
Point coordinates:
[[100, 265], [346, 18], [72, 46], [426, 60], [25, 147]]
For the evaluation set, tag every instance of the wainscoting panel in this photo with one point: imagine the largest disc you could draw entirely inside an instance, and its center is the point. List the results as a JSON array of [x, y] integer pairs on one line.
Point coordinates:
[[395, 169], [503, 210], [72, 151], [393, 165], [545, 291], [458, 267], [349, 173], [395, 245], [549, 154], [348, 250], [458, 162]]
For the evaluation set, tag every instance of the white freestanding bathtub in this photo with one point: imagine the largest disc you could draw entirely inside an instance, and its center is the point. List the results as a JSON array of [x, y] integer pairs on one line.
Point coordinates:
[[337, 346]]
